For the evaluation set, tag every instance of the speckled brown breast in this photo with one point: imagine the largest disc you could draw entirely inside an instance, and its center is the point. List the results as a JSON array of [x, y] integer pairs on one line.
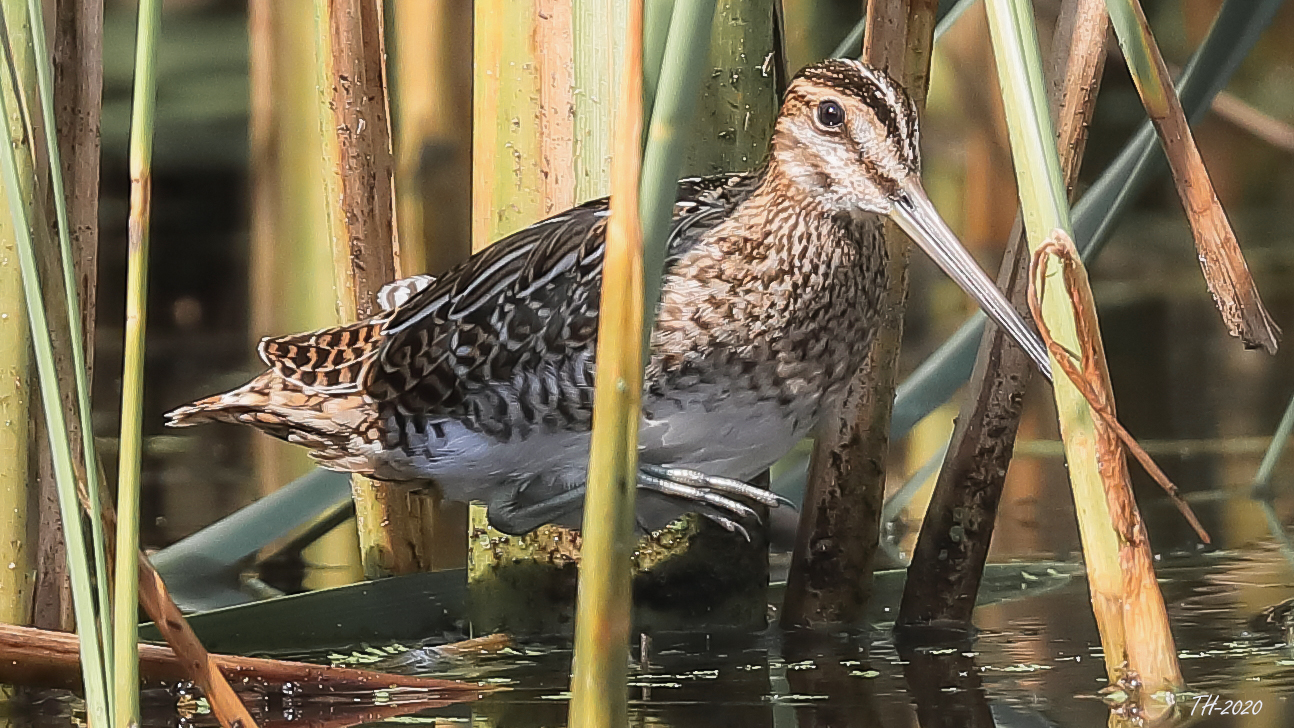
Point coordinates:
[[787, 315]]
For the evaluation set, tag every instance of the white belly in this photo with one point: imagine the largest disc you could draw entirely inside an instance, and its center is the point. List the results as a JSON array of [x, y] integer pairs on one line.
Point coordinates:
[[732, 435]]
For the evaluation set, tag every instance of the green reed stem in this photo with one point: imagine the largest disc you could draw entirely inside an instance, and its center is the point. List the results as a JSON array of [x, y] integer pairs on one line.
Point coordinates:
[[656, 25], [94, 669], [126, 587], [1139, 54], [1263, 478], [44, 74], [686, 54], [1260, 490], [1128, 608], [604, 600]]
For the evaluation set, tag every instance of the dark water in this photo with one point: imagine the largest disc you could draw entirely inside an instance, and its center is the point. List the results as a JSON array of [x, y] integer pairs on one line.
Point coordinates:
[[1035, 662]]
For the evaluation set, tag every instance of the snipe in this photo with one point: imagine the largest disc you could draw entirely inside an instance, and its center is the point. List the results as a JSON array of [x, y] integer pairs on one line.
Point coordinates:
[[483, 378]]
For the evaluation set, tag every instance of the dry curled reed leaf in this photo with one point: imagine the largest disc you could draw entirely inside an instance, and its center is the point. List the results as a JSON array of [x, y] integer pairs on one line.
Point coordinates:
[[1087, 379]]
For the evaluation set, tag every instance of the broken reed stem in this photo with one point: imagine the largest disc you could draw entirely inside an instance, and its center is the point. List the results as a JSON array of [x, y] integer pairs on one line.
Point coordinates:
[[948, 561], [198, 663], [604, 602], [830, 577], [43, 658], [153, 596], [1221, 259], [194, 660], [1151, 658]]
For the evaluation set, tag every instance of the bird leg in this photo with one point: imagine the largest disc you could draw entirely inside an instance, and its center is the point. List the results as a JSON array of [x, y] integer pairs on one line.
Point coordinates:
[[507, 513], [712, 496]]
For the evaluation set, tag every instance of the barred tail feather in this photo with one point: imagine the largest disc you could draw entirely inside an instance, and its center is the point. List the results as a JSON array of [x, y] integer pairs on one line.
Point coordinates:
[[330, 427]]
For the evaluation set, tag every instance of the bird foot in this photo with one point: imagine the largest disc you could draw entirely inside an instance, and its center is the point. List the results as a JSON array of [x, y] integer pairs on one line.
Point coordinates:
[[717, 498], [717, 495], [728, 486]]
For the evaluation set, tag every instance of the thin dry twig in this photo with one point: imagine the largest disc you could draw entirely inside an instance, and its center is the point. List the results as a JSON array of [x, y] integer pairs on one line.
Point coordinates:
[[1091, 388]]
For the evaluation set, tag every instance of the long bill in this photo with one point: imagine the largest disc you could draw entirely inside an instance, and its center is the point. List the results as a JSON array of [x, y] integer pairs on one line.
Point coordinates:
[[914, 212]]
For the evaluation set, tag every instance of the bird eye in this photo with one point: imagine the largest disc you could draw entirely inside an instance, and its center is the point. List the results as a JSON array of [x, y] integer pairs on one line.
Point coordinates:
[[831, 114]]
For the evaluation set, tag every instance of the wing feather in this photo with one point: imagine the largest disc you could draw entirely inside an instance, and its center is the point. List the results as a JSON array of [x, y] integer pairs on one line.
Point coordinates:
[[525, 307]]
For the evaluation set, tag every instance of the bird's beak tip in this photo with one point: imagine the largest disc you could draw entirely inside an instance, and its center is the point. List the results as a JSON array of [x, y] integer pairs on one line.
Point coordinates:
[[916, 214]]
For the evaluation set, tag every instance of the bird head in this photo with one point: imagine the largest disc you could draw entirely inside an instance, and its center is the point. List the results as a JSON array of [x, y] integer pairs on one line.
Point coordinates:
[[848, 137]]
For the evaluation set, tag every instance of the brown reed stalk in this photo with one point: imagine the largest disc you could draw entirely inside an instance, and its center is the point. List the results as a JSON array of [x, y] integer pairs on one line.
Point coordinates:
[[353, 114], [830, 578], [78, 92], [953, 545]]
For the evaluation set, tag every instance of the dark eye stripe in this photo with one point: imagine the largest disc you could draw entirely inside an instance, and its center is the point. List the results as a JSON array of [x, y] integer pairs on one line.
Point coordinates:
[[848, 78], [914, 135], [875, 98]]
